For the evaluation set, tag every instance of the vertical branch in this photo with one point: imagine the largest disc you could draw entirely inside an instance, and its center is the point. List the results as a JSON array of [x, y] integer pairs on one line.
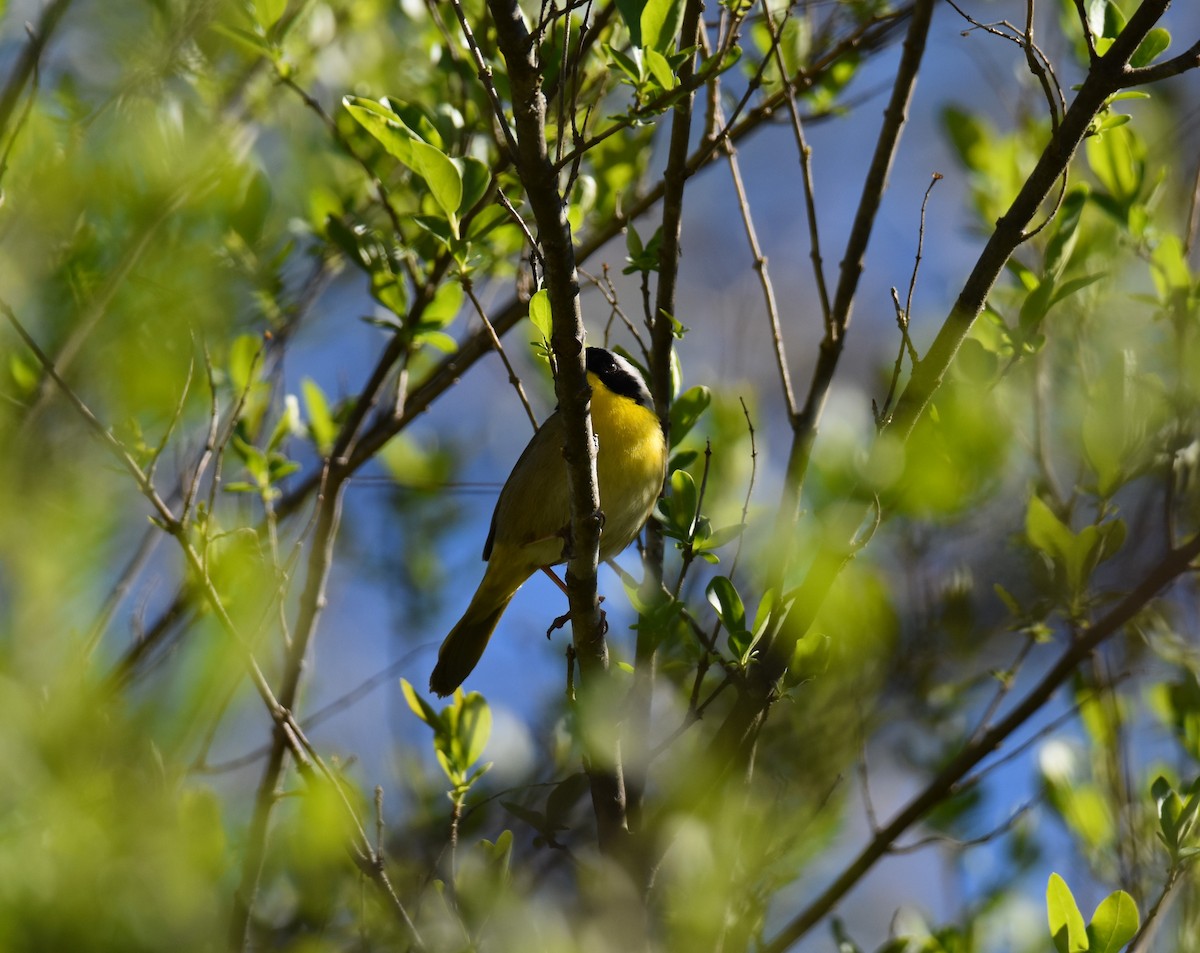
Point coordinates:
[[805, 424], [540, 179], [661, 336]]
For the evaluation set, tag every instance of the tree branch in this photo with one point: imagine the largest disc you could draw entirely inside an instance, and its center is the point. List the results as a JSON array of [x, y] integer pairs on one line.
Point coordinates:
[[540, 179], [1174, 564]]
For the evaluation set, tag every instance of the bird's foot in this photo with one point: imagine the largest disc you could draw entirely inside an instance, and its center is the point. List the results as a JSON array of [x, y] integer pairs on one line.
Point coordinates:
[[563, 619]]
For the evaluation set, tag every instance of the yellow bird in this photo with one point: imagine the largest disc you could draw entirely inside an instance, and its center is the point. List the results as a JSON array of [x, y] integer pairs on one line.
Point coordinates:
[[533, 511]]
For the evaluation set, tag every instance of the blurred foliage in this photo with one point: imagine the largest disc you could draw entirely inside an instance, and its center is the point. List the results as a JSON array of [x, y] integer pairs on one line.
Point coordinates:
[[247, 234]]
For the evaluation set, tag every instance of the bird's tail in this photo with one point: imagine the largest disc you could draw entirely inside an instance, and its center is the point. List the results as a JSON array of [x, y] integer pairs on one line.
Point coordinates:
[[462, 648]]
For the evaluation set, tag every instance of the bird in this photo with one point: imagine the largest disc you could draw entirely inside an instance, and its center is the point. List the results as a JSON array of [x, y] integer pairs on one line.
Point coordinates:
[[532, 515]]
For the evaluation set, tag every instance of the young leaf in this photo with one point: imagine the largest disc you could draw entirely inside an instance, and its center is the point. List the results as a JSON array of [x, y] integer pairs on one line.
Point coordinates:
[[1066, 922], [474, 727], [443, 178], [1113, 924], [660, 22], [1156, 42], [725, 599], [420, 707], [384, 125], [539, 313], [686, 410]]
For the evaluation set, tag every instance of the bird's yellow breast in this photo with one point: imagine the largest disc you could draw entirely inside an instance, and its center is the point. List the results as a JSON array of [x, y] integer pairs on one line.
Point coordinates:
[[631, 460]]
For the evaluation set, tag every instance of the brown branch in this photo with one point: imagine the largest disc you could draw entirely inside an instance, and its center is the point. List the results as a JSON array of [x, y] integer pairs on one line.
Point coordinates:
[[1188, 60], [764, 278], [1105, 78], [804, 154], [513, 377], [540, 179], [805, 424]]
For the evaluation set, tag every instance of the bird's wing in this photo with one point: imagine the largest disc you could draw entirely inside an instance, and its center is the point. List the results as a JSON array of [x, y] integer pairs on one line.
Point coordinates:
[[533, 509]]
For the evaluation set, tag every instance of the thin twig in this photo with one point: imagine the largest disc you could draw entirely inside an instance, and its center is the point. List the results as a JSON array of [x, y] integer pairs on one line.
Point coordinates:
[[516, 217], [764, 278], [804, 154], [942, 840], [485, 78], [737, 552], [513, 377], [904, 315]]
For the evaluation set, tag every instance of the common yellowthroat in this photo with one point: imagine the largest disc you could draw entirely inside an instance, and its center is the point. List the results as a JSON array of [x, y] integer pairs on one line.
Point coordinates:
[[533, 511]]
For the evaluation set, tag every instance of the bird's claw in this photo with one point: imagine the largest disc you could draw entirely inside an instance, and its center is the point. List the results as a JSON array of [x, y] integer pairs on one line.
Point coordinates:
[[563, 619]]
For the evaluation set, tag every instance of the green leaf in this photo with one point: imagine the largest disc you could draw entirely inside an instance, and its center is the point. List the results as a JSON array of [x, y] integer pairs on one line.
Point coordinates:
[[444, 307], [288, 424], [320, 421], [686, 410], [384, 125], [443, 178], [252, 42], [244, 362], [539, 314], [684, 498], [1114, 21], [1117, 159], [474, 727], [476, 177], [490, 218], [1046, 531], [660, 22], [723, 597], [660, 69], [437, 340], [631, 13], [1062, 242], [24, 375], [1073, 285], [420, 707], [1156, 42], [714, 539], [625, 63], [1113, 924], [1035, 306], [1171, 273], [1066, 922], [268, 12]]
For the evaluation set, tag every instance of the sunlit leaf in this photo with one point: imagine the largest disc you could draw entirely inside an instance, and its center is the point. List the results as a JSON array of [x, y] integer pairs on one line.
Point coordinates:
[[660, 23], [539, 313], [1113, 924], [1066, 922]]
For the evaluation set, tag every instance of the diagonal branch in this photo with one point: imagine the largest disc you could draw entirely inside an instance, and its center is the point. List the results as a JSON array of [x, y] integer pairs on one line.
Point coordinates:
[[1174, 564]]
